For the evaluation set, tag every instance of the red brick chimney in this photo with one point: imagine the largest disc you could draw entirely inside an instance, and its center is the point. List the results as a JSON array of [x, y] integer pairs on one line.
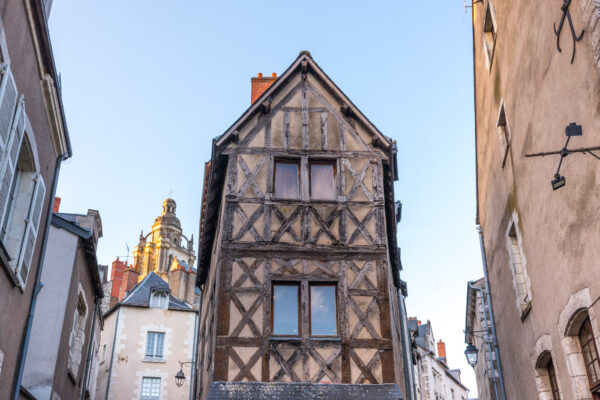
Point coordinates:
[[441, 347], [260, 84], [116, 276], [56, 205], [130, 279]]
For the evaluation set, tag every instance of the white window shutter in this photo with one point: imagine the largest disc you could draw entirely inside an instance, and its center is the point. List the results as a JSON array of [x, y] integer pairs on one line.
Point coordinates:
[[8, 102], [31, 230]]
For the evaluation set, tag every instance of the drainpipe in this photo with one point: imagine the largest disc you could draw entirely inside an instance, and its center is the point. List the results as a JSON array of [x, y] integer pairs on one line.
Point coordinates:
[[194, 376], [491, 312], [90, 350], [112, 353], [409, 373], [38, 284]]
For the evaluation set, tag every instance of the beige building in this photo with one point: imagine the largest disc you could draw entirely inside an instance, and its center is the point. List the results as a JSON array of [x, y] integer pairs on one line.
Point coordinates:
[[536, 88], [298, 257], [145, 337], [434, 380]]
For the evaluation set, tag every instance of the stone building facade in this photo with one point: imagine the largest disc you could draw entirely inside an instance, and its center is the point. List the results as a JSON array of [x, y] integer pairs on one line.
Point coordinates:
[[33, 143], [434, 379], [542, 246], [62, 359], [145, 337], [298, 258]]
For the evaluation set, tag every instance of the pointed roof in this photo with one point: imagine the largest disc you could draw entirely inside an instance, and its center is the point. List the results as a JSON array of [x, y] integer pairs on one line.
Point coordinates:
[[215, 169], [304, 63], [140, 295]]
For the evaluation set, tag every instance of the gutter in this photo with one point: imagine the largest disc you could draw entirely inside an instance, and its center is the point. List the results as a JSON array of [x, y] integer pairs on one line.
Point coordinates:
[[89, 350], [112, 354], [194, 376], [37, 286]]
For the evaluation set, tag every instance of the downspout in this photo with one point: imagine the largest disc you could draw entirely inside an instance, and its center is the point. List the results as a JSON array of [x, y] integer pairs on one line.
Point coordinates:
[[37, 285], [89, 350], [112, 353], [491, 311], [195, 352], [407, 352]]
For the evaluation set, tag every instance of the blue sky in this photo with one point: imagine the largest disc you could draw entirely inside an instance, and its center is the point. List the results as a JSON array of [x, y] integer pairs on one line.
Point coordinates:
[[147, 84]]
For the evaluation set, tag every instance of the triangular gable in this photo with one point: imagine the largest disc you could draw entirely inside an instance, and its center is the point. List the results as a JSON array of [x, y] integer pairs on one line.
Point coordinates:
[[305, 64]]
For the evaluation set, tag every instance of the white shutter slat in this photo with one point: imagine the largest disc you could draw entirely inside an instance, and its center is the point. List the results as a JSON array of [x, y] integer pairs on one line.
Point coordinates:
[[8, 101], [18, 128], [28, 245]]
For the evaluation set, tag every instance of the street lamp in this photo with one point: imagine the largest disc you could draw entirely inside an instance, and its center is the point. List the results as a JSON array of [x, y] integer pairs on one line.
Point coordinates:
[[180, 376], [471, 353]]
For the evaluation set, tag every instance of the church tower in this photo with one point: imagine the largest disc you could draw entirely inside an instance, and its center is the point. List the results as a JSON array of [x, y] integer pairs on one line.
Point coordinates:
[[167, 252]]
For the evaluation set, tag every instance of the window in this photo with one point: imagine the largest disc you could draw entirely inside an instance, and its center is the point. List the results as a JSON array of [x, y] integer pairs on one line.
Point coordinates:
[[553, 381], [287, 180], [322, 309], [159, 299], [503, 135], [518, 267], [77, 337], [150, 388], [22, 189], [590, 357], [285, 309], [322, 181], [154, 346], [323, 321], [102, 354], [489, 33]]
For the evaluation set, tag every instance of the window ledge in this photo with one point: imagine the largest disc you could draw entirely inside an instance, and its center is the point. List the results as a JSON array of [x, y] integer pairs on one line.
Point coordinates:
[[5, 262], [72, 376], [285, 338], [525, 311], [155, 360]]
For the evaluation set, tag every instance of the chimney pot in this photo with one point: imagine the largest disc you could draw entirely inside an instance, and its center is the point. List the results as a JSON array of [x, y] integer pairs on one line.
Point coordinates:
[[441, 347], [56, 205], [260, 84]]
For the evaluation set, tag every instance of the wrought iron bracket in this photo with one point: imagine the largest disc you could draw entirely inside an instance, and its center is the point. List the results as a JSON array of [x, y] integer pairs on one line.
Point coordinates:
[[567, 14], [571, 130]]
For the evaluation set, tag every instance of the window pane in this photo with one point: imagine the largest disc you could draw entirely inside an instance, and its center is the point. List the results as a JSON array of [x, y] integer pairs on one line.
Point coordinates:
[[151, 388], [323, 319], [285, 310], [322, 182], [286, 180]]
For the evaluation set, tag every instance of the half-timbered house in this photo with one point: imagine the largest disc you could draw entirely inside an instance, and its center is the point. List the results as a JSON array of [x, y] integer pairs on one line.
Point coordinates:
[[298, 259]]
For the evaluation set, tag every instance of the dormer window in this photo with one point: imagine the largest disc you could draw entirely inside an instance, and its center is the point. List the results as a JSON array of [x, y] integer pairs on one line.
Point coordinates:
[[159, 299]]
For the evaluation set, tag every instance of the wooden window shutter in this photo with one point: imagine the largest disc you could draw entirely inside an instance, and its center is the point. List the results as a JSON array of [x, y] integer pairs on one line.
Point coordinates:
[[8, 102], [31, 230]]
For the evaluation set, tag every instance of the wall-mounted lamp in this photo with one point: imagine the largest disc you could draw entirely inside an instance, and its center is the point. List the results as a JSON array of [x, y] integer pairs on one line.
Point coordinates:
[[571, 130], [180, 376]]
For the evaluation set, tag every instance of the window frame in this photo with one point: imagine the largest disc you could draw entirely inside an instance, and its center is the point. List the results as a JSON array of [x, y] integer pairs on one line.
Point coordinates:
[[552, 378], [503, 136], [523, 299], [328, 162], [298, 285], [150, 379], [154, 294], [283, 160], [336, 300], [489, 53], [587, 325], [154, 356]]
